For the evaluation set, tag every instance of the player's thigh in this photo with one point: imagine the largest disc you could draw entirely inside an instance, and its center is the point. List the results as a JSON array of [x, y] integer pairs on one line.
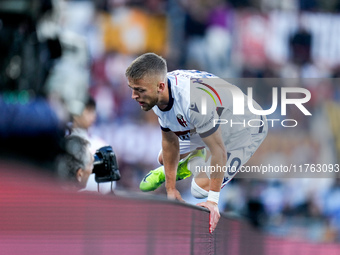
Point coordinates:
[[236, 159]]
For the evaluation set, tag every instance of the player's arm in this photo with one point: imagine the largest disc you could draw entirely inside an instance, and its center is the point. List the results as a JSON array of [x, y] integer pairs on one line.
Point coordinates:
[[170, 150], [218, 160]]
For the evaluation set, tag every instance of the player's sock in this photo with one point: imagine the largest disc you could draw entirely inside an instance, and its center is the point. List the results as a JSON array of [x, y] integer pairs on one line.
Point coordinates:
[[197, 191]]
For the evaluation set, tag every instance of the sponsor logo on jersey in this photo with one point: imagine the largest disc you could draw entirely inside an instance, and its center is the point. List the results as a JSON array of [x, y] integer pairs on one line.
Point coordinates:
[[212, 91], [193, 107], [209, 93]]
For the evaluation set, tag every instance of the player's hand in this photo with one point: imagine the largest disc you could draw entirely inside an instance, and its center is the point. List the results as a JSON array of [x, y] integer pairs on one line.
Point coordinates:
[[214, 214], [174, 194]]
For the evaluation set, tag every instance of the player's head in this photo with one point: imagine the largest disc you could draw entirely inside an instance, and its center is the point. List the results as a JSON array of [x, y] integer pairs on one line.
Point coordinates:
[[148, 64], [76, 164], [147, 78]]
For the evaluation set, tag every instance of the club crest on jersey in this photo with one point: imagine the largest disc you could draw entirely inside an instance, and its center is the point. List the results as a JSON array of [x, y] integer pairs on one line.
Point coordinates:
[[181, 120]]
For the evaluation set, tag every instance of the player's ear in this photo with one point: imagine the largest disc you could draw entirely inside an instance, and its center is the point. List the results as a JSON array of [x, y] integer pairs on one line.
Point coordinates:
[[161, 86], [79, 174]]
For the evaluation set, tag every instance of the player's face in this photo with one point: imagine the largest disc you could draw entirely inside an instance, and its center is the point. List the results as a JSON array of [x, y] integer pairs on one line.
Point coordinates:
[[145, 92]]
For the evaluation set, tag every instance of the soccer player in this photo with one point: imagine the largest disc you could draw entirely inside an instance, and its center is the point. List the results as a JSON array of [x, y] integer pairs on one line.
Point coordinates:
[[195, 111]]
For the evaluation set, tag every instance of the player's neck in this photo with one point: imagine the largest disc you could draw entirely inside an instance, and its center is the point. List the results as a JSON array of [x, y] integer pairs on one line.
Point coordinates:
[[164, 98]]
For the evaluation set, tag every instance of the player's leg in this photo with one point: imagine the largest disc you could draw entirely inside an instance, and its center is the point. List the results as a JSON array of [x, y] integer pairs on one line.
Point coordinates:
[[156, 177], [201, 182]]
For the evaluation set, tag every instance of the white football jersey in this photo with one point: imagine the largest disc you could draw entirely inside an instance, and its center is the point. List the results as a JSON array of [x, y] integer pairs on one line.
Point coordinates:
[[199, 103]]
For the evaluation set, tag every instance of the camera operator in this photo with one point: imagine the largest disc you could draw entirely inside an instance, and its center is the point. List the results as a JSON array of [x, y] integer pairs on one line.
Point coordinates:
[[76, 165], [81, 125]]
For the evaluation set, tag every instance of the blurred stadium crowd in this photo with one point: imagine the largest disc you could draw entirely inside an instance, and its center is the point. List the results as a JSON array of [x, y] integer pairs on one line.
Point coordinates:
[[269, 43]]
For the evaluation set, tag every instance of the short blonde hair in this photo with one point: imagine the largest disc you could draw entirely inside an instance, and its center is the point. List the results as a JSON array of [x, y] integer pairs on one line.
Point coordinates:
[[147, 64]]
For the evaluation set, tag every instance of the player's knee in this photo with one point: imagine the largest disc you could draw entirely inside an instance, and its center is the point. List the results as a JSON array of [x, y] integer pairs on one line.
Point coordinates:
[[197, 191]]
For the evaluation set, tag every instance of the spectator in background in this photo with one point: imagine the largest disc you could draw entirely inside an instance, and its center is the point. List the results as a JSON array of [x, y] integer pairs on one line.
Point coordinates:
[[76, 164], [81, 124], [300, 44], [80, 127]]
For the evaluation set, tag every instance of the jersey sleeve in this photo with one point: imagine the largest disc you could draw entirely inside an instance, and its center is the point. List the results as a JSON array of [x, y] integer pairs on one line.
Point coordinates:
[[203, 113], [163, 126]]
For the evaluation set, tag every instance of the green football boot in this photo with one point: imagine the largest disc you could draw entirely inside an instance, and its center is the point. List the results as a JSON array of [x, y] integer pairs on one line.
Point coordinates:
[[156, 177]]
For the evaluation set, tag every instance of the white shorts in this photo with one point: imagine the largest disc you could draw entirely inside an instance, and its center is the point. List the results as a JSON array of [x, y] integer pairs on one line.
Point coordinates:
[[184, 148], [235, 158]]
